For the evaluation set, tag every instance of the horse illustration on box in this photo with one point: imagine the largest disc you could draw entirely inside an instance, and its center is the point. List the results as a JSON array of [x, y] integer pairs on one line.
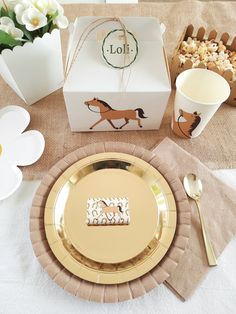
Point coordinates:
[[108, 211], [108, 113], [185, 128]]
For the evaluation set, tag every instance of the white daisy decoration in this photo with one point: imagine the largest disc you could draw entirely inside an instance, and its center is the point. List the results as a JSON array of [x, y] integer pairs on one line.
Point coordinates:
[[16, 148]]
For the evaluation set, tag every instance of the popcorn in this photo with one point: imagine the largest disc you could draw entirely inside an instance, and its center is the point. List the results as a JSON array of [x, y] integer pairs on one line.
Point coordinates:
[[196, 63], [208, 52], [212, 47], [211, 65], [182, 58], [233, 58], [223, 56], [212, 57], [221, 46], [202, 50], [192, 46], [184, 47]]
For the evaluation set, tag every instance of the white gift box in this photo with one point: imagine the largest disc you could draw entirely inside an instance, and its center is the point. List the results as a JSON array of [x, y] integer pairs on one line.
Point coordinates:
[[35, 69], [96, 96]]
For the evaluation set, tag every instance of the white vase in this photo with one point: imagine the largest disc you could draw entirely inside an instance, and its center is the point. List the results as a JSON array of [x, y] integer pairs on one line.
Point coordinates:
[[35, 69]]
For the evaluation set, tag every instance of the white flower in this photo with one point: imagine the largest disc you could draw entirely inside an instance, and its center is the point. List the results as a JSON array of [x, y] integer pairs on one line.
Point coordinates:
[[35, 14], [11, 3], [61, 21], [50, 7], [7, 25], [16, 148], [20, 8], [41, 5], [33, 19]]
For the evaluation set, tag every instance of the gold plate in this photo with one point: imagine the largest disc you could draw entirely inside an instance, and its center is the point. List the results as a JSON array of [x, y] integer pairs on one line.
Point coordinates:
[[110, 254]]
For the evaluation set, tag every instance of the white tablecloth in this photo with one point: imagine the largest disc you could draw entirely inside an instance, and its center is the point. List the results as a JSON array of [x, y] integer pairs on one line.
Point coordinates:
[[26, 289]]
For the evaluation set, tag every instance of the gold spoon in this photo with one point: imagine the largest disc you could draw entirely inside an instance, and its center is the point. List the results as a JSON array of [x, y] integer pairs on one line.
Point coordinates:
[[193, 187]]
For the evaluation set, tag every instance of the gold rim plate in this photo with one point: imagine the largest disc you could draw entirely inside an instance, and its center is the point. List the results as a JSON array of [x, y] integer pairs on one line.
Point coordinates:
[[110, 254]]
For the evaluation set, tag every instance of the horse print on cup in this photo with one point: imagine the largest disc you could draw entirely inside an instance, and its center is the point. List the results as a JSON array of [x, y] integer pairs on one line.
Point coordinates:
[[108, 211], [185, 128], [108, 113]]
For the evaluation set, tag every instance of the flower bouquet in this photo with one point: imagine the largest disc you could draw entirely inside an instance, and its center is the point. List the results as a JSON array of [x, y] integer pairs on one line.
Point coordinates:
[[30, 47]]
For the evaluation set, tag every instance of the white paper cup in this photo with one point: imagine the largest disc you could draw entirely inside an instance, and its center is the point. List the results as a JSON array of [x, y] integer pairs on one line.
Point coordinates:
[[199, 93]]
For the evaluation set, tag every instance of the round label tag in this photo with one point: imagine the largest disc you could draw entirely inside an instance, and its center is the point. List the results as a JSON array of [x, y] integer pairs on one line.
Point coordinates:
[[118, 51]]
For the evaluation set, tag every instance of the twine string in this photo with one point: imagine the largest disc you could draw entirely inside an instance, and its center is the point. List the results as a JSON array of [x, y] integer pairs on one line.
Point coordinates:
[[86, 32], [125, 57], [5, 5]]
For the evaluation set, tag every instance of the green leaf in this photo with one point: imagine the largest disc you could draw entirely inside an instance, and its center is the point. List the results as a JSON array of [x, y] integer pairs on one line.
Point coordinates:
[[49, 26], [52, 17], [27, 33], [45, 29], [53, 26], [11, 15], [2, 47], [6, 39], [8, 13], [3, 12]]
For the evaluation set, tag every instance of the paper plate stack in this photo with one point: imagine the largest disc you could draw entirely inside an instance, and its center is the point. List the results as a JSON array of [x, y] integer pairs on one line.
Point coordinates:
[[107, 220]]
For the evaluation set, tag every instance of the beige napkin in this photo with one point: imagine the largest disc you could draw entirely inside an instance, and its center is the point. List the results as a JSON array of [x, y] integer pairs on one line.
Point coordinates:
[[219, 210]]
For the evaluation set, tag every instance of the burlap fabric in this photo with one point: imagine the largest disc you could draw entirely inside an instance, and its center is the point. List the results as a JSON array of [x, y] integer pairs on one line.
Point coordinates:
[[216, 147]]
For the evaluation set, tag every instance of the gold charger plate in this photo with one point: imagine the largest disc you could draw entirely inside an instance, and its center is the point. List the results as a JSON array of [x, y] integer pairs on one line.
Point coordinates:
[[116, 253], [102, 292]]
